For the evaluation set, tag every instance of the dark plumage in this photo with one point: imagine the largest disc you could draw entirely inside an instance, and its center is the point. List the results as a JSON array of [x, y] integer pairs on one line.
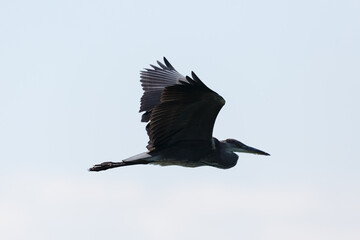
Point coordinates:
[[181, 113]]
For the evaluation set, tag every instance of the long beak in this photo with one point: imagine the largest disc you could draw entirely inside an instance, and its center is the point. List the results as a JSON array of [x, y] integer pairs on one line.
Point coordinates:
[[252, 150]]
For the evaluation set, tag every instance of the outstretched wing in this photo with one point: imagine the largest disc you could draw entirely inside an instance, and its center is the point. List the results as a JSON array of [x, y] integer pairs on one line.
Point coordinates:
[[187, 111], [153, 82]]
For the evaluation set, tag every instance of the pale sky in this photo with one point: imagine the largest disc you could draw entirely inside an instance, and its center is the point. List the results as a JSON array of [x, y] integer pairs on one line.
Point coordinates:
[[69, 98]]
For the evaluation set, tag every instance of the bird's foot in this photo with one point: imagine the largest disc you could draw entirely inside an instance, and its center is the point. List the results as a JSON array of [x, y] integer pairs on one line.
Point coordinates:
[[101, 166]]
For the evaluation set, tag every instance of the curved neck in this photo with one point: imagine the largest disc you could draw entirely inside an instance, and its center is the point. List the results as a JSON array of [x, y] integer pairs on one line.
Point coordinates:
[[227, 157]]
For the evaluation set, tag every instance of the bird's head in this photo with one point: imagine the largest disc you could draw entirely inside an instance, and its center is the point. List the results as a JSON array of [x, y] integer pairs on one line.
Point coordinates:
[[237, 146]]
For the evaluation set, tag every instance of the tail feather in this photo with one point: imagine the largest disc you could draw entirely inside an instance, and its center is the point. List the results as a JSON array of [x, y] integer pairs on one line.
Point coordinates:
[[143, 158]]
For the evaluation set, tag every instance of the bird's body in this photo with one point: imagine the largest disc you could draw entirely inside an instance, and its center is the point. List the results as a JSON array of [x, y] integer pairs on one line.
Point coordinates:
[[206, 155], [181, 112]]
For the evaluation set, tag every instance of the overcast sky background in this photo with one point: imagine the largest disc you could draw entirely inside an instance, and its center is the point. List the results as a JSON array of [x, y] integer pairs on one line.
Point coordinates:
[[69, 98]]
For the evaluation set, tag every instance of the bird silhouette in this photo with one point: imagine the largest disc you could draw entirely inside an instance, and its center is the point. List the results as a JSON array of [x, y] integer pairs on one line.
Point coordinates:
[[181, 113]]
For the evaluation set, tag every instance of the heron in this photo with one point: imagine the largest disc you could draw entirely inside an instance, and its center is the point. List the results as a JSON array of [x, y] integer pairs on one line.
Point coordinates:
[[180, 113]]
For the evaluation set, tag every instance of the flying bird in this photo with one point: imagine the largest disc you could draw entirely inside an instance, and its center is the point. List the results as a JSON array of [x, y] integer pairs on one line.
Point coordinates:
[[181, 112]]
